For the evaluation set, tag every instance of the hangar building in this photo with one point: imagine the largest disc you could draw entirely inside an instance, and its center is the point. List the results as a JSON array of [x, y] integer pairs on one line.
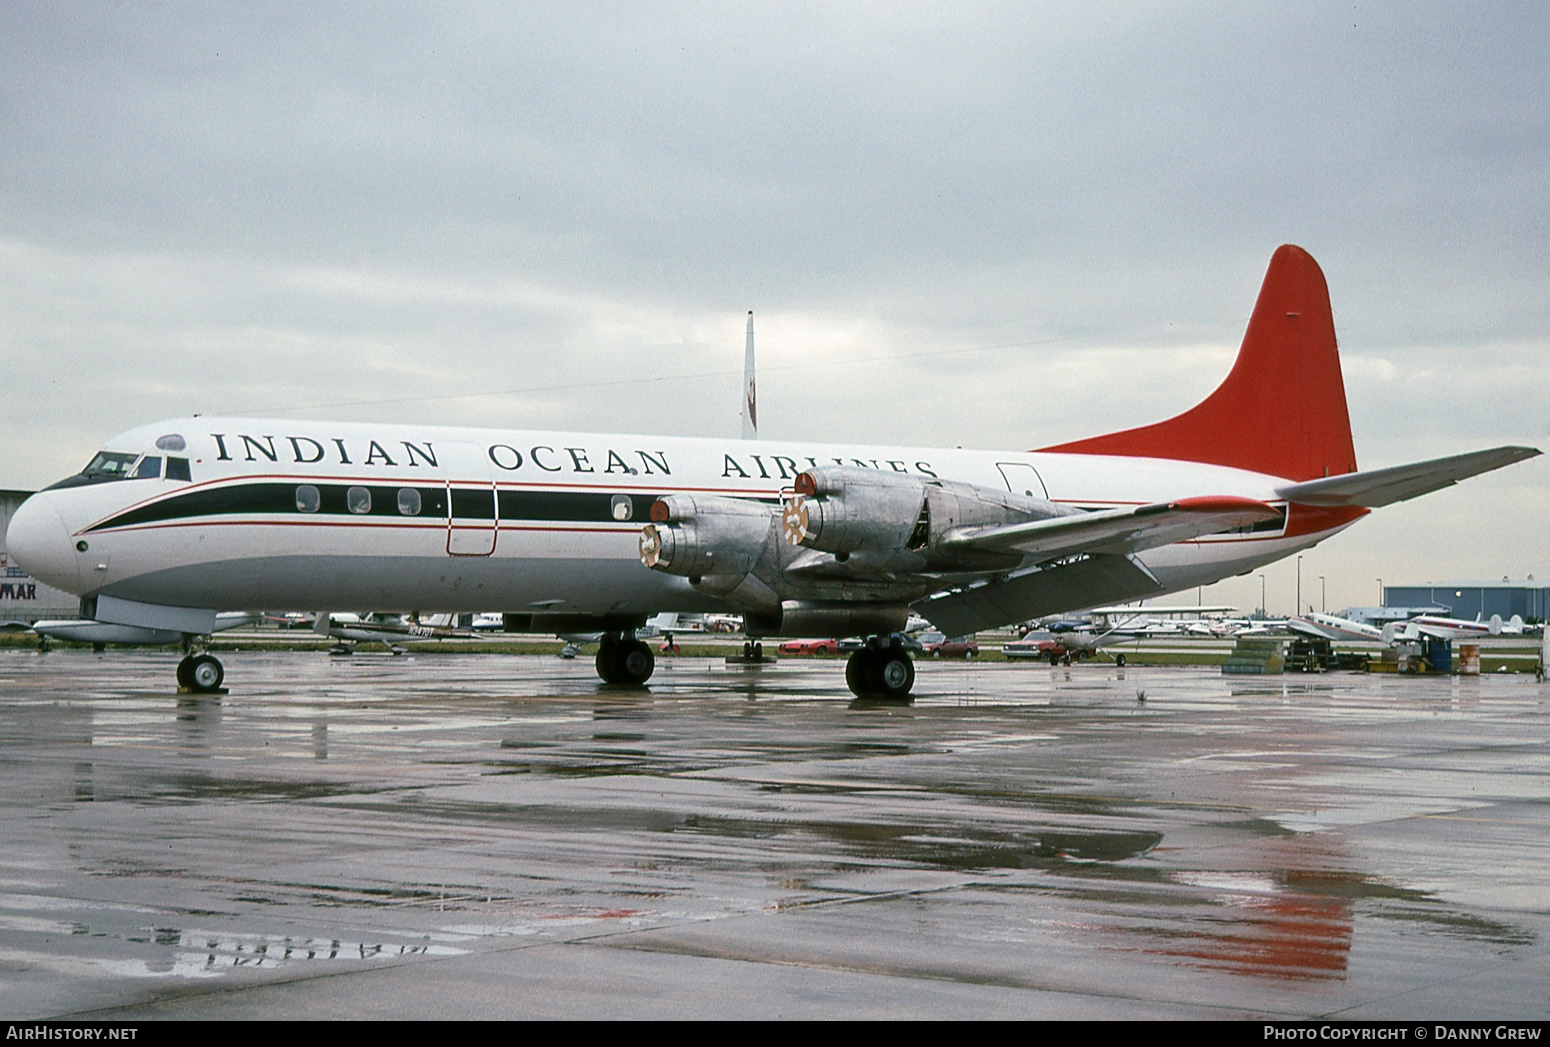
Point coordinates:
[[1527, 598]]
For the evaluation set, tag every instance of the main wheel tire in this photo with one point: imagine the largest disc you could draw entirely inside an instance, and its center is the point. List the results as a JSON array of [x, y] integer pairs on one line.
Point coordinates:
[[893, 674], [184, 680], [607, 662], [1119, 660], [857, 669], [635, 663], [205, 674]]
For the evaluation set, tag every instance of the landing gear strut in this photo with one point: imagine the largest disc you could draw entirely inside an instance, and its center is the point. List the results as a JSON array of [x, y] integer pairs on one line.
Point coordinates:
[[881, 669], [622, 661]]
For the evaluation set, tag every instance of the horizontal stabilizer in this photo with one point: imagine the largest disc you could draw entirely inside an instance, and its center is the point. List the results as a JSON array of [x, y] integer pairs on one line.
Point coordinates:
[[1036, 592], [1115, 531], [1379, 487]]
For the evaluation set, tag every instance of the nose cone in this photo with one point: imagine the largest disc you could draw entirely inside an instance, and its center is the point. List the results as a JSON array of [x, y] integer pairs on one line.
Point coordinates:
[[39, 541]]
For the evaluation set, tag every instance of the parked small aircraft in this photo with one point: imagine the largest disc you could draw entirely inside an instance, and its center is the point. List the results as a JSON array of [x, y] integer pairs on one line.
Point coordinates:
[[1332, 627]]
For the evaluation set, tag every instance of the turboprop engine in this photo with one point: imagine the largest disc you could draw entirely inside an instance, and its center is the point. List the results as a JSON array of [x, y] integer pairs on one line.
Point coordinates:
[[731, 548], [694, 536], [872, 520], [725, 546]]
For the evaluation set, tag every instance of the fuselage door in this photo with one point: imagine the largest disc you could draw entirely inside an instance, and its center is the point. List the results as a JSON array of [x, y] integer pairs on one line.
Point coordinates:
[[473, 510], [1022, 478]]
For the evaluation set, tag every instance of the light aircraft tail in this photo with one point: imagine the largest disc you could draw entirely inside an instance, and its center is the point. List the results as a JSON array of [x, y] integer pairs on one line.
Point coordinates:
[[1281, 410], [750, 401]]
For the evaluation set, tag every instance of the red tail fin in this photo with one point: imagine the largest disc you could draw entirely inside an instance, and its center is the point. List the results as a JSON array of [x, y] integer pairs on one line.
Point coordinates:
[[1281, 410]]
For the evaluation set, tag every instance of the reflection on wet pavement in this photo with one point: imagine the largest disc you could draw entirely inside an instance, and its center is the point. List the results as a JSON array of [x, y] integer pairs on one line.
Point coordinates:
[[1033, 834]]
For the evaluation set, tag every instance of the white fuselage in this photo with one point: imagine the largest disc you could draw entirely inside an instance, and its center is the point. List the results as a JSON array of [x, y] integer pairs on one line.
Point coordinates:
[[273, 514]]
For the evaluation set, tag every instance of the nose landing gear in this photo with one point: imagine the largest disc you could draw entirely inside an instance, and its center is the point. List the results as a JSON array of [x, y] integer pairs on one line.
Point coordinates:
[[200, 674]]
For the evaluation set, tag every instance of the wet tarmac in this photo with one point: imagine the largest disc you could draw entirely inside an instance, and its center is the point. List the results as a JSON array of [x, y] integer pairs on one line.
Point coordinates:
[[501, 836]]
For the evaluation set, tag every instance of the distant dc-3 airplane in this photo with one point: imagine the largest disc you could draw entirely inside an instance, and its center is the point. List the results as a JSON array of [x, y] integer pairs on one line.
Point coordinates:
[[176, 521]]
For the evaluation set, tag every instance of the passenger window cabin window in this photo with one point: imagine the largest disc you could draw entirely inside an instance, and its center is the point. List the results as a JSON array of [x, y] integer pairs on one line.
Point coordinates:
[[408, 501], [307, 499], [358, 499], [621, 507], [177, 469]]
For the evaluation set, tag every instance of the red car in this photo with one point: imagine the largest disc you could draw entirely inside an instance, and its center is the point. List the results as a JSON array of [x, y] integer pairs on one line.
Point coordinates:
[[810, 647], [939, 646]]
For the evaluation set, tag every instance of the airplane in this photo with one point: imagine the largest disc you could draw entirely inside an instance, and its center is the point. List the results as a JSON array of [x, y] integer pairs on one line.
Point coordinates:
[[1160, 620], [175, 521], [100, 634], [1066, 645], [1436, 627], [1332, 627], [750, 411], [350, 628], [662, 624]]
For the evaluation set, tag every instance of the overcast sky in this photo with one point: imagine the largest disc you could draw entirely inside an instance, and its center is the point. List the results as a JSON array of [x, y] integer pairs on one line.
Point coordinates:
[[987, 225]]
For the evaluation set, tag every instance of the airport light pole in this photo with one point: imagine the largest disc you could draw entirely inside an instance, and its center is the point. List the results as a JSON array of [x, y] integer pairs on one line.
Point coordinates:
[[1322, 609], [1299, 584], [1380, 592], [1262, 612]]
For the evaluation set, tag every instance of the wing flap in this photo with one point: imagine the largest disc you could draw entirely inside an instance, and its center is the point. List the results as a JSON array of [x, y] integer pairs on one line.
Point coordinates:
[[1036, 592], [1117, 532], [1379, 487]]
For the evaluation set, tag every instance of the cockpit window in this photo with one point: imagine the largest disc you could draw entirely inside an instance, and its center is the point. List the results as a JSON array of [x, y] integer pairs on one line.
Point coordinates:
[[113, 465], [110, 465]]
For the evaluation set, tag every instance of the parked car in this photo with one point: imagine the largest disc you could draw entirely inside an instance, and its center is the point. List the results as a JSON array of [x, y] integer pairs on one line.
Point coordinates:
[[1036, 644], [939, 646], [830, 646], [1042, 644]]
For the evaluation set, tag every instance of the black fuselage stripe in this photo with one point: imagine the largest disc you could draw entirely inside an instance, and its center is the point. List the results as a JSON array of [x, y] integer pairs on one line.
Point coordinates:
[[280, 499]]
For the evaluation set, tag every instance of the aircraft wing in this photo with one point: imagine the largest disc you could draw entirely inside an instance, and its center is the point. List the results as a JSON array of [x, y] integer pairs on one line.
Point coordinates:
[[1034, 592], [1116, 531], [1380, 487]]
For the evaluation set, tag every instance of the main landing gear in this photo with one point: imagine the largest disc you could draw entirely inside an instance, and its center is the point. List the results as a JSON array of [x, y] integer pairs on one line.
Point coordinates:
[[622, 661], [881, 669]]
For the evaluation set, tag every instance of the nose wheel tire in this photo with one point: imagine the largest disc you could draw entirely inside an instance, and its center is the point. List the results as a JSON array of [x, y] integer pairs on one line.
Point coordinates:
[[200, 673]]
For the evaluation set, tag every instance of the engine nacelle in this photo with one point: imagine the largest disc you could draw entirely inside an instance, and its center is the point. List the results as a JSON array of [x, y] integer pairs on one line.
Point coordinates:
[[815, 618], [697, 535], [848, 510], [877, 520]]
